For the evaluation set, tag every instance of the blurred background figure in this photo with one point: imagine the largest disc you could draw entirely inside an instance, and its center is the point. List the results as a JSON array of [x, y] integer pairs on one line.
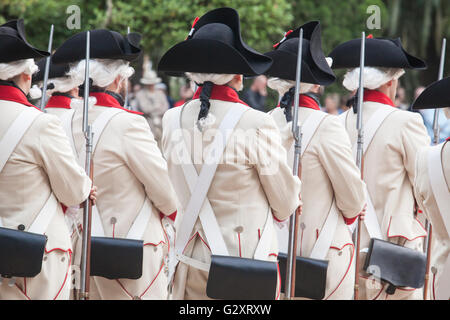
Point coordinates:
[[186, 93], [163, 87], [400, 99], [428, 119], [255, 96], [332, 102], [151, 101]]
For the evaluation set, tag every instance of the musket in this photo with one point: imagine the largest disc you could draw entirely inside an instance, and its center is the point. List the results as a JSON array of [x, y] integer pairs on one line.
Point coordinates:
[[125, 104], [359, 156], [47, 68], [293, 222], [429, 227], [87, 206]]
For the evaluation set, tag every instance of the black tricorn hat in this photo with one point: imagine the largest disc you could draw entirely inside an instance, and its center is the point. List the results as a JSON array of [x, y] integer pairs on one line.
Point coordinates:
[[315, 68], [14, 45], [436, 95], [380, 52], [55, 70], [105, 44], [214, 45]]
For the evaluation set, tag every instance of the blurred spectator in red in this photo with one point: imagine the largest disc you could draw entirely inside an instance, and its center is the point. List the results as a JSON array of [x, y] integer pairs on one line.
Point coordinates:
[[255, 96]]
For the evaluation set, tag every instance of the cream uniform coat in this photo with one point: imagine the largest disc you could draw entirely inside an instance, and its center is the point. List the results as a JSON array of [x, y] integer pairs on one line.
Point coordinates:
[[242, 190], [439, 283], [389, 165], [328, 172], [129, 167], [41, 163]]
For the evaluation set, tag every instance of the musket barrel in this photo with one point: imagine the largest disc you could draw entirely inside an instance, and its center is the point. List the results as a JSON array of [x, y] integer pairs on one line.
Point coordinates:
[[125, 104], [436, 131], [86, 83], [296, 131], [359, 154], [47, 68]]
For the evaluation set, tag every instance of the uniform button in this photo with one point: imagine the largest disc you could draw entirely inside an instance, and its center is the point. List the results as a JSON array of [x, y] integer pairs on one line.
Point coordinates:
[[62, 259], [113, 220], [136, 298], [340, 253], [302, 226], [45, 258], [239, 229], [155, 248], [73, 281], [433, 270], [21, 227]]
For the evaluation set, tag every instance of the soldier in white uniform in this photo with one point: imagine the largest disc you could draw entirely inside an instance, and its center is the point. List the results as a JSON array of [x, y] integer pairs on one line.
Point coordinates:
[[39, 176], [389, 159], [432, 186], [128, 166], [329, 174], [253, 182]]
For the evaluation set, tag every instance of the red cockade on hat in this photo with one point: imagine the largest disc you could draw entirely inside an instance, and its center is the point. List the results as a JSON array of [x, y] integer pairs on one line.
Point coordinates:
[[370, 36], [284, 38]]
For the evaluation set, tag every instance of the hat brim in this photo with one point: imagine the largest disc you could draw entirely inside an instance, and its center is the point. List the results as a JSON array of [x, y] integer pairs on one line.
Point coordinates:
[[383, 53], [55, 70], [284, 67], [103, 45], [434, 96], [14, 49], [211, 56]]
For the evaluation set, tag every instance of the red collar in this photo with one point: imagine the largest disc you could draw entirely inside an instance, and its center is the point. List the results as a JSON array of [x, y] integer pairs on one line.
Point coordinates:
[[307, 102], [107, 100], [224, 93], [377, 96], [58, 102], [448, 139], [11, 93]]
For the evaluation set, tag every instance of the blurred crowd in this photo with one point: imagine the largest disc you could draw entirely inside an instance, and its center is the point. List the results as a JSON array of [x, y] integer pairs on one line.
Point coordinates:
[[151, 97]]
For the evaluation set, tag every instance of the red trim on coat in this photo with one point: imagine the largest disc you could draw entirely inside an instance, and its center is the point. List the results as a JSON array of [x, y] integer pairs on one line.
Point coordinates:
[[239, 239], [107, 100], [403, 237], [14, 94], [349, 221], [179, 103], [434, 291], [123, 288], [193, 238], [152, 280], [348, 268], [58, 102], [377, 96], [277, 297], [223, 93], [67, 273], [278, 220], [21, 291]]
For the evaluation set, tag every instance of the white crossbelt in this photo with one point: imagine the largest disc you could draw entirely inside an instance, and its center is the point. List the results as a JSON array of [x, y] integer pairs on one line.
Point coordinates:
[[66, 120], [370, 129], [323, 243], [8, 144], [438, 183], [139, 225], [199, 205]]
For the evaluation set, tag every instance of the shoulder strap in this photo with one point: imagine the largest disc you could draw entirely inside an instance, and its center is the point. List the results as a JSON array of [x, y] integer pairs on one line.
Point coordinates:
[[438, 183], [66, 120], [198, 195], [98, 126], [326, 235], [15, 133]]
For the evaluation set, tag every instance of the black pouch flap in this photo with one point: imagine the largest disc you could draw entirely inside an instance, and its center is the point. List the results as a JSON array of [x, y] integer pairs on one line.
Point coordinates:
[[115, 258], [235, 278], [397, 265], [21, 253], [310, 276]]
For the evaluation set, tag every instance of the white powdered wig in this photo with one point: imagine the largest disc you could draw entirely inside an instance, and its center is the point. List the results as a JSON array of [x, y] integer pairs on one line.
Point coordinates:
[[64, 84], [219, 79], [35, 92], [11, 69], [283, 86], [103, 72], [373, 77], [447, 112]]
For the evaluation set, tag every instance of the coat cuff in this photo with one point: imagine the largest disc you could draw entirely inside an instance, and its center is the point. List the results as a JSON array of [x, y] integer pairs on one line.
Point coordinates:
[[171, 216]]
